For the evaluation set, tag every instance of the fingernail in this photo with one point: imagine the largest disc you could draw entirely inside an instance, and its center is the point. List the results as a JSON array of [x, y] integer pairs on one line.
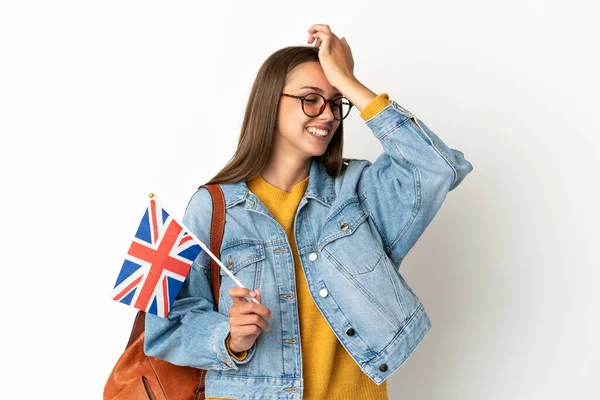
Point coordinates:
[[252, 294]]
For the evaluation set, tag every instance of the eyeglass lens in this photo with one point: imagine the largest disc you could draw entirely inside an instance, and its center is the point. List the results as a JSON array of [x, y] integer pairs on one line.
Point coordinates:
[[314, 102]]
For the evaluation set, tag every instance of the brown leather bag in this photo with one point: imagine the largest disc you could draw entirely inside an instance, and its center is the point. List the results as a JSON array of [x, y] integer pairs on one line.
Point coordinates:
[[138, 376]]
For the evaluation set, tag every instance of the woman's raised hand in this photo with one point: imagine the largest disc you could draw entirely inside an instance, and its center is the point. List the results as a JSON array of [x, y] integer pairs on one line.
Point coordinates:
[[246, 319], [335, 55]]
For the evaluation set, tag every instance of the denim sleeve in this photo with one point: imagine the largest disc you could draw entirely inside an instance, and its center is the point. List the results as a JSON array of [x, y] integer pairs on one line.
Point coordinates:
[[406, 185], [193, 333]]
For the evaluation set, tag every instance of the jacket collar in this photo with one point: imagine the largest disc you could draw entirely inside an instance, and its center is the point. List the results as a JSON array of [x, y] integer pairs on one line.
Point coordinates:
[[320, 187]]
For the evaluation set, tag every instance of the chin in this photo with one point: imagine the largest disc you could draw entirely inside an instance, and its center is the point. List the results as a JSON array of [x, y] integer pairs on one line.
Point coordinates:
[[319, 153]]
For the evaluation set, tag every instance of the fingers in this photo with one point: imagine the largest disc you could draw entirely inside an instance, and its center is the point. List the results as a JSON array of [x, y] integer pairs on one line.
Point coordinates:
[[239, 294], [319, 27], [321, 32], [258, 295], [247, 317], [315, 36], [322, 35], [241, 324], [252, 308], [247, 330], [322, 38], [243, 306]]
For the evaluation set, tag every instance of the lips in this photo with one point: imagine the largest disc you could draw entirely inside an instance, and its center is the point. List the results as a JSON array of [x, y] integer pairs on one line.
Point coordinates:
[[322, 127]]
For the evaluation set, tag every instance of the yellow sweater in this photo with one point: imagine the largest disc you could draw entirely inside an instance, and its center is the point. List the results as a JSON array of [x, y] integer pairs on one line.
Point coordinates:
[[328, 370]]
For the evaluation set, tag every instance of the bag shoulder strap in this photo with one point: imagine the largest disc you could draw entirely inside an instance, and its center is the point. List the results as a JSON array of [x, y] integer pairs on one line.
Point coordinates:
[[217, 227]]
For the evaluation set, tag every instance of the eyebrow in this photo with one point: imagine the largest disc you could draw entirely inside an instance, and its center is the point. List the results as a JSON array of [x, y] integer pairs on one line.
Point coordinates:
[[316, 89]]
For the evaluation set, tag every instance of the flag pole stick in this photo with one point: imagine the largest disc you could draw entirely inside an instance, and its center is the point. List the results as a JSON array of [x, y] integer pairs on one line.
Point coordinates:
[[204, 247]]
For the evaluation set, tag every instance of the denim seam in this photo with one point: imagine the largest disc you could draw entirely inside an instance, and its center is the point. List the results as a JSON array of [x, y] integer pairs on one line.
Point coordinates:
[[358, 286], [381, 233], [341, 207], [235, 202], [236, 242], [331, 321], [431, 142], [243, 265], [275, 242], [219, 356], [417, 203], [347, 232], [362, 197], [416, 207], [395, 287], [200, 268], [319, 200], [258, 274], [384, 135], [438, 150], [401, 331], [240, 377]]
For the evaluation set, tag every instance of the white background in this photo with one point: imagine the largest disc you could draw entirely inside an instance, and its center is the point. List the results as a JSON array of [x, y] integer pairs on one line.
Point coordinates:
[[104, 102]]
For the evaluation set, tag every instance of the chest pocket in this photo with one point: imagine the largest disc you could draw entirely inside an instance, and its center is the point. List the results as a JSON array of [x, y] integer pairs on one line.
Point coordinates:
[[244, 259], [348, 241]]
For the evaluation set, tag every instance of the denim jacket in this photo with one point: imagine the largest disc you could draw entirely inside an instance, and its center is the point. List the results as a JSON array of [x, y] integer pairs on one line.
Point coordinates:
[[352, 233]]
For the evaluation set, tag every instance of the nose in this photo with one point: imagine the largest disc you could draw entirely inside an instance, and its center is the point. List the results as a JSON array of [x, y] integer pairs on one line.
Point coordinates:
[[327, 112]]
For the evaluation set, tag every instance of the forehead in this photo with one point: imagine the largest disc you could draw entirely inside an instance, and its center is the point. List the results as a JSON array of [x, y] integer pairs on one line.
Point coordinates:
[[311, 77]]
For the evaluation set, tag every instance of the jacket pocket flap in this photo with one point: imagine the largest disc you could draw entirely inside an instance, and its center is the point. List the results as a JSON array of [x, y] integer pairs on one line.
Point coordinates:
[[239, 255], [342, 223]]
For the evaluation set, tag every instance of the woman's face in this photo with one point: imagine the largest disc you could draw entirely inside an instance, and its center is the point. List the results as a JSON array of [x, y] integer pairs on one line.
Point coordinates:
[[293, 136]]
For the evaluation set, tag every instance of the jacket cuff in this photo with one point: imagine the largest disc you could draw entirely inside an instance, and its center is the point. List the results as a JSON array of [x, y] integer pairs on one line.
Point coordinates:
[[241, 356], [219, 347], [375, 106], [388, 119]]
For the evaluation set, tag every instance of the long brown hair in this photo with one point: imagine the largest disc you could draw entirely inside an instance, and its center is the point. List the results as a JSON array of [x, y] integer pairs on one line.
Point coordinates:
[[260, 119]]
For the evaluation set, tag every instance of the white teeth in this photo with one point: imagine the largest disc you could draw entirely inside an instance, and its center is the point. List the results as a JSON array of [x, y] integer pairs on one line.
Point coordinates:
[[317, 132]]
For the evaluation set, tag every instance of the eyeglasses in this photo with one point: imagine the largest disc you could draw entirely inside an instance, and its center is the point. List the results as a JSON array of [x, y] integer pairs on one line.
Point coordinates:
[[314, 104]]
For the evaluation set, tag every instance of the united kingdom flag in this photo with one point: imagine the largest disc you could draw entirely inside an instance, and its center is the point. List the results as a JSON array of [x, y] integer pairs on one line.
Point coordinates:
[[157, 263]]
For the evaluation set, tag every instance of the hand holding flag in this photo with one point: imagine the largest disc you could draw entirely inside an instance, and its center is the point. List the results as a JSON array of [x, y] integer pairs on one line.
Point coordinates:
[[158, 261]]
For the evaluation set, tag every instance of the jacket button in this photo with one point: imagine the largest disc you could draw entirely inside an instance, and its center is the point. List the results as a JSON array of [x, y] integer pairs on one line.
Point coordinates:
[[343, 225], [383, 367], [350, 332], [323, 292], [312, 256]]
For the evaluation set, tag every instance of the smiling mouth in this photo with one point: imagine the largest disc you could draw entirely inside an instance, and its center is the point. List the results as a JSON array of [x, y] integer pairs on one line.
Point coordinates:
[[318, 132]]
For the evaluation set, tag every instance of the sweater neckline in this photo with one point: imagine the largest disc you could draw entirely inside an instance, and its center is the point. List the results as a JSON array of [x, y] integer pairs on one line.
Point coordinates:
[[263, 187]]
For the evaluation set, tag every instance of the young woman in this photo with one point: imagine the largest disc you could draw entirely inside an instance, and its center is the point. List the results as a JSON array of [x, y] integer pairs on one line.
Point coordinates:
[[317, 239]]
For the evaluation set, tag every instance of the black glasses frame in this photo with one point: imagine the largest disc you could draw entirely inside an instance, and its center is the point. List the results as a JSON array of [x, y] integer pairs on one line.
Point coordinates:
[[325, 101]]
